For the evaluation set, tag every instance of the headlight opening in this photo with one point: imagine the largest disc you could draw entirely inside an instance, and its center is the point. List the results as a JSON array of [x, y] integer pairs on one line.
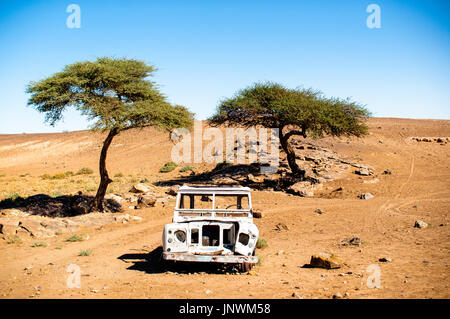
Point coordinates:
[[180, 235]]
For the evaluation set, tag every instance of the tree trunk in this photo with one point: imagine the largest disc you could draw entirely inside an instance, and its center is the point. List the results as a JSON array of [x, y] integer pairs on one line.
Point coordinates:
[[97, 203], [290, 154]]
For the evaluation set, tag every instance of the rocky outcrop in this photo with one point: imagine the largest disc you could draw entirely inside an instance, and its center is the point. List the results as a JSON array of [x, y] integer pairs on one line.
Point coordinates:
[[440, 140], [9, 226], [304, 189], [321, 165], [42, 227]]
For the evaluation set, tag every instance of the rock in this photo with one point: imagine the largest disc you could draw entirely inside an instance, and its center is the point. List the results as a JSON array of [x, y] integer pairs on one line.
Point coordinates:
[[13, 213], [136, 218], [55, 225], [357, 165], [337, 295], [29, 227], [297, 295], [224, 181], [354, 241], [173, 190], [39, 226], [363, 171], [140, 188], [387, 172], [372, 181], [305, 189], [71, 225], [38, 233], [281, 226], [117, 198], [131, 198], [146, 201], [366, 196], [420, 224], [94, 219], [8, 226], [300, 188], [257, 213], [122, 218], [325, 260], [385, 260], [319, 211]]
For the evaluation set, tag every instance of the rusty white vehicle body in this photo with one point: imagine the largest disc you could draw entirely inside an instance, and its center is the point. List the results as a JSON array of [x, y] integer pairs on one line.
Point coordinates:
[[212, 224]]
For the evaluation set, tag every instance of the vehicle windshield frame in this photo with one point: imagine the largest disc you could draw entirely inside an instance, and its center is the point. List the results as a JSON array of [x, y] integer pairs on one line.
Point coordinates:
[[242, 194]]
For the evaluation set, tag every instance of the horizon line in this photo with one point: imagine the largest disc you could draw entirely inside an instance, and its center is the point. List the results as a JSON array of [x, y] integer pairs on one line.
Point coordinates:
[[90, 130]]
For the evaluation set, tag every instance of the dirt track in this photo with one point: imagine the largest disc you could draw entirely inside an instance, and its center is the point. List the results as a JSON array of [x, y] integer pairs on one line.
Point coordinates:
[[120, 265]]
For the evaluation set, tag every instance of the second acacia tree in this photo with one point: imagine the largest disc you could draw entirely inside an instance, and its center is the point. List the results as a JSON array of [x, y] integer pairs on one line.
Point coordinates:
[[301, 112]]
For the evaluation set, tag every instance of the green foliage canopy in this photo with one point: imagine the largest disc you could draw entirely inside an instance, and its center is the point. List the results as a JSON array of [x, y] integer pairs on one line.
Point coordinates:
[[275, 106], [115, 93]]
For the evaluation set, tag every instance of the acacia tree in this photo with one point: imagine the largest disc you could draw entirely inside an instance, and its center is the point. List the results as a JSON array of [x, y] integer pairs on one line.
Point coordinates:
[[116, 94], [301, 112]]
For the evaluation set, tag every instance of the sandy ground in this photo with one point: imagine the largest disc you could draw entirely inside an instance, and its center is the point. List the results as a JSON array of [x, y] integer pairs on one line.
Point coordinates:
[[120, 265]]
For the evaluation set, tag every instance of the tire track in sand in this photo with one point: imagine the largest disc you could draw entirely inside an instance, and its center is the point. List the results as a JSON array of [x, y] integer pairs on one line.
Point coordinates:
[[375, 218]]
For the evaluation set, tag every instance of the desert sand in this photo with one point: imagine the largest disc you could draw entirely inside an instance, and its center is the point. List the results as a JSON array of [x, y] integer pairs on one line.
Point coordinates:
[[120, 264]]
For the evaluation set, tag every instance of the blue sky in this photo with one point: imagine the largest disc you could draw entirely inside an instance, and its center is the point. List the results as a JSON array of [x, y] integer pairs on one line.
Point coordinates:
[[207, 50]]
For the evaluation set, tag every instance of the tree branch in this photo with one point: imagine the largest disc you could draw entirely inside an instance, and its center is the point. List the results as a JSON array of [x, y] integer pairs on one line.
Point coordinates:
[[294, 132]]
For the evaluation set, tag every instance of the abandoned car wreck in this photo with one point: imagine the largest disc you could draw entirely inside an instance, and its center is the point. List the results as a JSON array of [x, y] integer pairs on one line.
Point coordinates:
[[212, 224]]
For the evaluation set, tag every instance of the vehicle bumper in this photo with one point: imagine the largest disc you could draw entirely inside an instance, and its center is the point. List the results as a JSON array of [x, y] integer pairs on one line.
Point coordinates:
[[235, 259]]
